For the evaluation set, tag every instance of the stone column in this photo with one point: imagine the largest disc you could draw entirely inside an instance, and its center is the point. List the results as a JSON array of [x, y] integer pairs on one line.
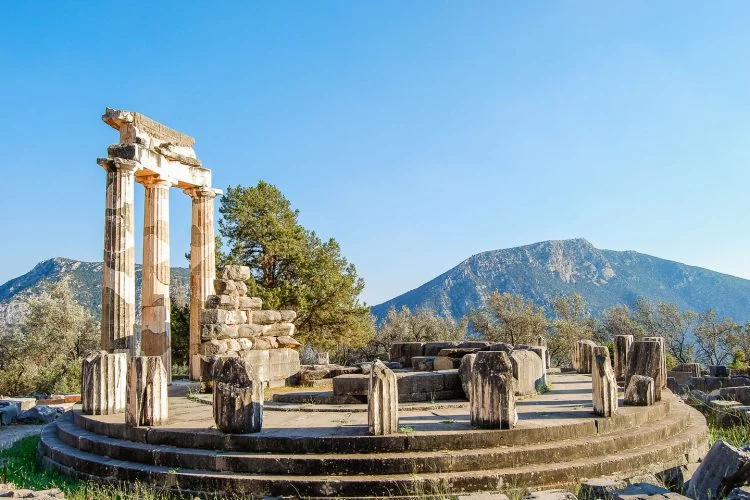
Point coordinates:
[[382, 401], [118, 274], [603, 383], [622, 345], [146, 392], [202, 267], [663, 374], [238, 397], [103, 379], [492, 401], [645, 358], [155, 305]]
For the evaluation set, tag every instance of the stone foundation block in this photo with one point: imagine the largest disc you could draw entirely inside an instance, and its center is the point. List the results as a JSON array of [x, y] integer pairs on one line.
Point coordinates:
[[402, 352], [238, 397], [214, 316], [146, 392], [640, 391], [527, 370], [250, 303], [266, 317]]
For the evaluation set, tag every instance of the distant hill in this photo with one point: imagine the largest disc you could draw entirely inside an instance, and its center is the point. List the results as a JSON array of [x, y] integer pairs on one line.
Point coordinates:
[[605, 278], [85, 281]]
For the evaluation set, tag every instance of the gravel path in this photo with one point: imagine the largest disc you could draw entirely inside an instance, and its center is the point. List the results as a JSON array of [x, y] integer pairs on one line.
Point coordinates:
[[9, 434]]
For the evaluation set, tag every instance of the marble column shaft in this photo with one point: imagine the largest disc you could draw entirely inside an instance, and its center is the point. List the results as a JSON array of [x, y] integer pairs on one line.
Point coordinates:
[[202, 267], [155, 303], [118, 275]]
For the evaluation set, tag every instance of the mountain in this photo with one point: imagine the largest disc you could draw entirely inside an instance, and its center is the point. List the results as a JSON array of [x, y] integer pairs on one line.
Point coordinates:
[[85, 281], [605, 278]]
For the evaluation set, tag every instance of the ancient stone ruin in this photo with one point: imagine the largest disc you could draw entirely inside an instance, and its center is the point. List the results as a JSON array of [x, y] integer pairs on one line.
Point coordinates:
[[645, 358], [382, 404], [103, 383], [603, 384], [492, 391], [238, 397], [146, 392], [622, 346]]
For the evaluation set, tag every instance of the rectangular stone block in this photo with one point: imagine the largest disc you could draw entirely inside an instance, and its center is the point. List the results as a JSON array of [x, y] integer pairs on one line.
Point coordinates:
[[251, 303], [402, 352], [224, 286], [223, 301], [214, 316], [146, 394], [422, 363], [265, 317], [236, 273], [433, 348], [445, 363]]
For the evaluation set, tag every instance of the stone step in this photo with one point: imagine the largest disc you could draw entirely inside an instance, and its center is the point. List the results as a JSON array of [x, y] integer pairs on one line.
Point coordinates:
[[384, 463], [670, 452], [358, 441]]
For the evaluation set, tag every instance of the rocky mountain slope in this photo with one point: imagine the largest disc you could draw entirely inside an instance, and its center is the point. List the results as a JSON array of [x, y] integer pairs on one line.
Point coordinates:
[[605, 278], [85, 281]]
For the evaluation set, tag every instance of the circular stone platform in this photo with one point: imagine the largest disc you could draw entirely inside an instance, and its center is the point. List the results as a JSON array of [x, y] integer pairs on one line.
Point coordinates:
[[325, 450]]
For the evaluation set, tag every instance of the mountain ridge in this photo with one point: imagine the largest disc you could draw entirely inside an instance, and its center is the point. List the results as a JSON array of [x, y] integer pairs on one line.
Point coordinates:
[[543, 270]]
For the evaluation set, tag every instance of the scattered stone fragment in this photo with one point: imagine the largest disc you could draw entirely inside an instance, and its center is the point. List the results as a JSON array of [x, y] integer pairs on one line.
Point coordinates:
[[603, 384], [723, 469], [40, 414], [382, 401], [286, 341], [550, 495], [640, 391], [238, 397], [422, 363], [600, 487], [8, 414], [742, 493], [103, 380], [643, 491], [492, 401], [146, 392]]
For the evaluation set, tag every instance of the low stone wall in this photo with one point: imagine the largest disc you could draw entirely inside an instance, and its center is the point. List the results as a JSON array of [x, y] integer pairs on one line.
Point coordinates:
[[412, 386]]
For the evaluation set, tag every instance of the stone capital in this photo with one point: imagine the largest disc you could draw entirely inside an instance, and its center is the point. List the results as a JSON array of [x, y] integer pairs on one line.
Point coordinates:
[[156, 181], [119, 164], [202, 192]]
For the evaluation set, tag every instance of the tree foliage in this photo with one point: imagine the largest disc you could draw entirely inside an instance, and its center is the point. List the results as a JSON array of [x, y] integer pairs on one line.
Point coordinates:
[[44, 354], [715, 339], [509, 318], [293, 268], [572, 323], [420, 325]]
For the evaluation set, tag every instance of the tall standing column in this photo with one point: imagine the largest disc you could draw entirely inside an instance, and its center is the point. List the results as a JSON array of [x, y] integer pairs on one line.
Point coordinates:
[[155, 305], [118, 275], [202, 267]]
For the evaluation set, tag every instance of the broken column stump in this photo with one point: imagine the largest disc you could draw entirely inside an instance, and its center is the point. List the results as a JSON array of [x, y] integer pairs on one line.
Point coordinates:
[[640, 391], [622, 345], [238, 396], [492, 400], [103, 380], [464, 373], [645, 358], [663, 372], [584, 355], [603, 384], [382, 401], [206, 373], [146, 394]]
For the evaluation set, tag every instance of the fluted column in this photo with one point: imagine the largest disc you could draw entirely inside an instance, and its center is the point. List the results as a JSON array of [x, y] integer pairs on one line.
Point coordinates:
[[118, 276], [202, 266], [155, 305]]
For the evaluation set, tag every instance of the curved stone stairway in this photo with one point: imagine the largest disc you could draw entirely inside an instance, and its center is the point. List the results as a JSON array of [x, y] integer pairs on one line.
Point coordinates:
[[535, 455]]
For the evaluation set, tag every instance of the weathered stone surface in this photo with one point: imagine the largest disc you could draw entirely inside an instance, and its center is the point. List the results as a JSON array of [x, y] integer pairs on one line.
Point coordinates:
[[382, 402], [541, 351], [492, 400], [457, 352], [640, 391], [213, 348], [40, 414], [273, 366], [603, 384], [146, 392], [433, 348], [322, 358], [600, 487], [718, 371], [723, 469], [249, 331], [103, 381], [422, 363], [206, 364], [22, 403], [741, 394], [584, 355], [445, 363], [286, 341], [213, 316], [223, 301], [464, 373], [223, 286], [8, 414], [663, 370], [220, 332], [262, 344], [550, 495], [643, 491], [742, 493], [645, 358], [279, 330], [245, 344], [498, 346], [527, 370], [694, 369], [238, 397], [266, 317], [402, 352], [236, 273], [622, 346], [250, 303]]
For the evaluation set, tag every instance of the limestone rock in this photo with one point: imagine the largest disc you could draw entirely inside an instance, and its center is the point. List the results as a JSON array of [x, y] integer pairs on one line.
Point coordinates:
[[103, 381], [694, 369], [433, 348], [445, 363], [238, 397], [603, 384], [225, 286], [638, 491], [40, 414], [457, 352], [236, 273], [499, 346], [223, 301], [527, 370], [249, 331], [271, 341], [402, 352], [640, 391], [742, 493], [214, 316], [492, 402], [288, 315], [8, 414], [584, 354], [241, 290], [286, 341], [261, 343], [464, 373], [213, 348], [422, 363], [206, 364], [550, 495], [251, 303], [723, 469], [266, 317], [245, 344], [663, 370], [622, 345], [279, 330], [147, 401], [541, 351], [645, 358], [220, 332], [600, 487], [382, 401]]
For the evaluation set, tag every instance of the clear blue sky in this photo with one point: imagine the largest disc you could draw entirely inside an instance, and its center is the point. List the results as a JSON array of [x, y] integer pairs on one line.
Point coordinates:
[[415, 133]]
